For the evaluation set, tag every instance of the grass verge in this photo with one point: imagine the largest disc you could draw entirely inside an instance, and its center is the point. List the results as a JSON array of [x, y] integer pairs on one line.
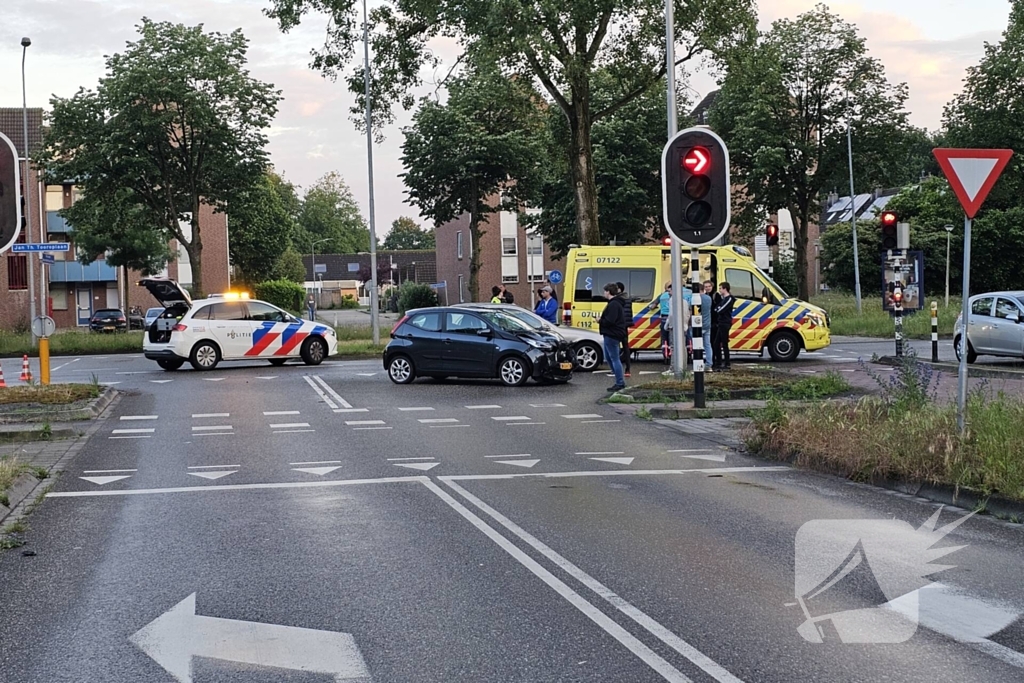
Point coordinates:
[[874, 322], [740, 383], [51, 394], [359, 348], [71, 342]]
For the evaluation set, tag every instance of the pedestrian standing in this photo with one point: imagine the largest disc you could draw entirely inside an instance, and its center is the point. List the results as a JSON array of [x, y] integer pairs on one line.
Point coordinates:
[[506, 296], [664, 309], [706, 314], [496, 295], [547, 307], [723, 326], [627, 307], [311, 307], [671, 321], [612, 325]]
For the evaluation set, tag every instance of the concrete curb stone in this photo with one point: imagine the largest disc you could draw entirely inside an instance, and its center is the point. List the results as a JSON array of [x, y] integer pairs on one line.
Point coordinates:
[[89, 412]]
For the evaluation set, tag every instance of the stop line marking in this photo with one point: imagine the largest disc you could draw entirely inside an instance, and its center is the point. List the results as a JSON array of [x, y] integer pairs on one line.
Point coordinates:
[[585, 416], [489, 406]]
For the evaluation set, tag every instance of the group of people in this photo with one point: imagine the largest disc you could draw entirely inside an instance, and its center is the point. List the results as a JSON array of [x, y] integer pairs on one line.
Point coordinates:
[[715, 319], [547, 305]]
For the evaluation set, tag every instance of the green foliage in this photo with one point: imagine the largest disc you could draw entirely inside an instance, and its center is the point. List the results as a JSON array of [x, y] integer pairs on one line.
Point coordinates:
[[783, 110], [260, 229], [406, 235], [282, 293], [329, 211], [289, 266], [412, 295], [784, 274], [176, 122], [816, 387], [348, 301], [72, 342], [874, 322]]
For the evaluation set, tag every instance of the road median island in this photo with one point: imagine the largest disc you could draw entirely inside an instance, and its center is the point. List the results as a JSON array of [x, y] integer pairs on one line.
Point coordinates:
[[34, 404], [907, 439]]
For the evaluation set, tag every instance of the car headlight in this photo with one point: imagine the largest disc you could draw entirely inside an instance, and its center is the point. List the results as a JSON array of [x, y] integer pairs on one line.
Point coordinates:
[[817, 319], [331, 331], [538, 344]]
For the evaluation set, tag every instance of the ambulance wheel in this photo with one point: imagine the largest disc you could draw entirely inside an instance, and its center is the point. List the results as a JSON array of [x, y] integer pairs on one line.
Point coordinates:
[[170, 363], [784, 346], [205, 356], [278, 362], [314, 350]]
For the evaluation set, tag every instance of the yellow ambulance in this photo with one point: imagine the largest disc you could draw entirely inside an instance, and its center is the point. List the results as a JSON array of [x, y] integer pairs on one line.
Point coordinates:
[[764, 316]]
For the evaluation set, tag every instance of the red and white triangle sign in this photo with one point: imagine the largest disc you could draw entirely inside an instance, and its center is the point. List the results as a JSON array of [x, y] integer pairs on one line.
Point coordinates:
[[972, 173]]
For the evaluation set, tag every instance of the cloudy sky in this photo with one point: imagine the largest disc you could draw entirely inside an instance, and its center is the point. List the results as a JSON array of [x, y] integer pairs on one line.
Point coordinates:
[[926, 43]]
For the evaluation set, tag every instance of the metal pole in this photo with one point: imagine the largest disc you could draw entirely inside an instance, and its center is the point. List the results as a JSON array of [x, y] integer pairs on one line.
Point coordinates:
[[949, 232], [312, 258], [374, 312], [961, 393], [898, 307], [678, 334], [26, 185], [853, 211], [697, 331]]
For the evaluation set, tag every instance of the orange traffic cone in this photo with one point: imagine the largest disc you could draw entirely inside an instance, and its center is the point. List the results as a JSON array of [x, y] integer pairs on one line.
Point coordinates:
[[3, 384], [26, 374]]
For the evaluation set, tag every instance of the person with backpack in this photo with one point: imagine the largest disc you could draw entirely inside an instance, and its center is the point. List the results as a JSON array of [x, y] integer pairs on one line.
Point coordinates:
[[613, 328], [723, 326]]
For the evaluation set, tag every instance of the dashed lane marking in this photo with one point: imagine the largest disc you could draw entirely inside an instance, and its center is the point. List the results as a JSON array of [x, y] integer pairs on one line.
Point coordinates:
[[547, 405], [357, 429], [317, 462], [583, 416], [280, 412], [212, 467], [449, 426], [266, 377], [437, 420], [138, 417], [351, 410], [361, 423], [509, 418], [594, 422], [211, 428], [213, 379], [129, 437], [148, 430], [293, 431], [290, 425], [214, 434], [200, 416], [524, 424], [489, 406], [337, 397], [410, 410]]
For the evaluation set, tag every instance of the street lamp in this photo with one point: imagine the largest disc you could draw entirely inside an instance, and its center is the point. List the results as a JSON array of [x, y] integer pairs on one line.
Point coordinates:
[[312, 255], [374, 312], [949, 232], [25, 42], [853, 203]]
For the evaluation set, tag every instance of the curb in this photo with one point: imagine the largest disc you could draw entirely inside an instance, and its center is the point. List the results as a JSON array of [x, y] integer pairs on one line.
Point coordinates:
[[89, 412], [972, 371], [696, 413], [37, 434]]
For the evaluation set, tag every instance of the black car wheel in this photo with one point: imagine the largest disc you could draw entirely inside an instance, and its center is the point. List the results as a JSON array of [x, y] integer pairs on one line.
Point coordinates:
[[958, 348], [401, 370], [588, 357], [783, 346], [205, 356], [314, 350], [170, 364], [278, 362], [512, 371]]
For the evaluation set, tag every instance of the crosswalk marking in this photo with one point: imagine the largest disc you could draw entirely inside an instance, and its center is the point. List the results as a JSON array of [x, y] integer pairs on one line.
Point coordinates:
[[509, 418], [290, 425], [138, 417], [148, 430], [437, 420], [360, 423], [584, 416]]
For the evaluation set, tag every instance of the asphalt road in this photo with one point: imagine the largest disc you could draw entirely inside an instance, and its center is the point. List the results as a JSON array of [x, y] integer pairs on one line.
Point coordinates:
[[321, 524]]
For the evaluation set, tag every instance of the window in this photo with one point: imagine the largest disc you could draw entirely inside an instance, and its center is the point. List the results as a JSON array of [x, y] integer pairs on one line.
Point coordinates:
[[261, 311], [639, 283], [227, 310], [464, 323], [430, 322], [462, 290], [536, 277], [58, 255], [982, 307], [17, 271], [1005, 308], [54, 198], [59, 297], [458, 243], [509, 246], [534, 245], [509, 279], [745, 285]]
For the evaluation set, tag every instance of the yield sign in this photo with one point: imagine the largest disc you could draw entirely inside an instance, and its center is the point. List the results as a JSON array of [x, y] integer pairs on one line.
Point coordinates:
[[972, 173]]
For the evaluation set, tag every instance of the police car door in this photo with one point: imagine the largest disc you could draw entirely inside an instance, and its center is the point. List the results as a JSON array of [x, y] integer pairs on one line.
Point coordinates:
[[230, 328]]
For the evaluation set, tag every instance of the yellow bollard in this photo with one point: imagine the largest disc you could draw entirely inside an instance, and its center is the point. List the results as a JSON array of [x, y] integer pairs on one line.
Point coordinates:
[[44, 360]]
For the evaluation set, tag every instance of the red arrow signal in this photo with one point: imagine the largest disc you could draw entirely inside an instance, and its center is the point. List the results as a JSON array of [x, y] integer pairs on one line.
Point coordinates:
[[972, 173], [697, 160]]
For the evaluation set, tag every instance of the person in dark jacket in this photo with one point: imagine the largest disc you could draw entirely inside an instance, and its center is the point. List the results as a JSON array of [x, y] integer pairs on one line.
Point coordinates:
[[613, 328], [723, 325], [627, 308]]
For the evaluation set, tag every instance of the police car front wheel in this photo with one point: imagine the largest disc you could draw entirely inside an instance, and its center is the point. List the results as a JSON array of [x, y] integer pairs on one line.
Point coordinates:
[[205, 356], [314, 350]]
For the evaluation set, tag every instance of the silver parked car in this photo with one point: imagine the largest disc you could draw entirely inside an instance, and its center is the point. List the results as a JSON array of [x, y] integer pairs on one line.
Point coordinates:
[[995, 326], [586, 345], [151, 315]]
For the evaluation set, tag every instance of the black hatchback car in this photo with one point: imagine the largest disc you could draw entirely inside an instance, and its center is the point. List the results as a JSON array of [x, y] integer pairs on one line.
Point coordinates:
[[108, 320], [457, 342]]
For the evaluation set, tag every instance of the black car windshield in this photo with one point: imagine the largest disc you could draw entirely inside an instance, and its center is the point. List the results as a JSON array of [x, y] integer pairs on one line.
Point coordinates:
[[505, 322], [108, 313], [525, 316]]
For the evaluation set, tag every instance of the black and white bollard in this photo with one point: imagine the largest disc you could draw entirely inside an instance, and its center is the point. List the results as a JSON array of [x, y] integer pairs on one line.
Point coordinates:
[[697, 327], [898, 310], [935, 331]]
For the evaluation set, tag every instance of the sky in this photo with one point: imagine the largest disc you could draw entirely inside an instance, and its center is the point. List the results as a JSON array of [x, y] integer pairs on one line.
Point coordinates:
[[926, 43]]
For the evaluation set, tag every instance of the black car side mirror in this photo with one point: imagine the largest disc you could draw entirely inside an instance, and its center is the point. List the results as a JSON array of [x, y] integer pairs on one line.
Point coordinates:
[[484, 332]]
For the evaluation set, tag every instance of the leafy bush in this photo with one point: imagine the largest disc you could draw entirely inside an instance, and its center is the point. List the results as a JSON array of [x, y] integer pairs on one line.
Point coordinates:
[[282, 293], [412, 295], [784, 273], [349, 301]]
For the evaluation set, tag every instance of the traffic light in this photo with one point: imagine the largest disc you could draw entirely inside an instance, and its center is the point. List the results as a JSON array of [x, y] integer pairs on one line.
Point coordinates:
[[771, 234], [10, 199], [667, 241], [889, 222], [695, 186]]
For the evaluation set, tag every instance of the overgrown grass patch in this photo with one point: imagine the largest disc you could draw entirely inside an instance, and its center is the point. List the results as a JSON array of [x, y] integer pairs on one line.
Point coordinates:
[[359, 347], [10, 469], [71, 342], [364, 332], [741, 383], [51, 394], [874, 322]]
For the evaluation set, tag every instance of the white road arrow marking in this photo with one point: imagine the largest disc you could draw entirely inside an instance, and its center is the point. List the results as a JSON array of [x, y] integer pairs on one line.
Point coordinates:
[[423, 466], [319, 471], [161, 381], [713, 457], [105, 480], [263, 377], [213, 475], [179, 634], [519, 463], [617, 461], [213, 379]]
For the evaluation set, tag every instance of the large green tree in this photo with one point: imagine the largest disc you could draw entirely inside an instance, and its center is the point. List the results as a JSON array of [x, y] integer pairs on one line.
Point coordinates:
[[260, 230], [783, 110], [330, 212], [458, 155], [406, 234], [556, 44], [177, 121]]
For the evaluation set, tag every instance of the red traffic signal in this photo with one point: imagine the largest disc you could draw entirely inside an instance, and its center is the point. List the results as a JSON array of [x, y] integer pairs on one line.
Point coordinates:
[[889, 219], [667, 241], [771, 234], [889, 223], [697, 160]]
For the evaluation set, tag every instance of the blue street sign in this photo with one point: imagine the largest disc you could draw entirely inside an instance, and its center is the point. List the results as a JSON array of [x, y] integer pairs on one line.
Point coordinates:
[[45, 246], [47, 258], [440, 285], [555, 277]]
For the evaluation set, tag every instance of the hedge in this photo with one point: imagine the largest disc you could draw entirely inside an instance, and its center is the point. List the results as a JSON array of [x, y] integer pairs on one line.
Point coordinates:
[[282, 293]]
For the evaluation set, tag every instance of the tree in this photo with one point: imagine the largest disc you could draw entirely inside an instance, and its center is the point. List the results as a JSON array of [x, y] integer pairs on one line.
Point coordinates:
[[458, 155], [558, 45], [406, 234], [783, 109], [260, 230], [177, 122], [289, 266], [329, 211]]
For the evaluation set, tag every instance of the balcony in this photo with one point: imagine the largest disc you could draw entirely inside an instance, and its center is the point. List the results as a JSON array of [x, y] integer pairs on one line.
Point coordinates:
[[55, 224], [73, 271]]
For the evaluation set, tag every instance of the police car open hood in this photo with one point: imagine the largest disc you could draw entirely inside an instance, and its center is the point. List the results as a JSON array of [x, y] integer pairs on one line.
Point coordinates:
[[167, 292]]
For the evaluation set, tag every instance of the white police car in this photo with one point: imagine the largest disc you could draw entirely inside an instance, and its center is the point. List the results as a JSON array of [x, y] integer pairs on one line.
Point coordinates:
[[228, 327]]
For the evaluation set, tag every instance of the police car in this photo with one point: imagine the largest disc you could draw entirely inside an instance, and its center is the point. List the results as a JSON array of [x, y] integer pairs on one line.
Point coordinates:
[[229, 326]]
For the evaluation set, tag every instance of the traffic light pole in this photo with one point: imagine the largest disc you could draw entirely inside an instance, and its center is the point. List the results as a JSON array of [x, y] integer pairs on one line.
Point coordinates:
[[678, 333], [697, 334], [897, 303]]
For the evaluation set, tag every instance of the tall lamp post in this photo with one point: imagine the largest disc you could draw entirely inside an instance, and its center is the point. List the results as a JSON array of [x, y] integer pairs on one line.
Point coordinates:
[[374, 306], [853, 203], [312, 255], [949, 232], [26, 184]]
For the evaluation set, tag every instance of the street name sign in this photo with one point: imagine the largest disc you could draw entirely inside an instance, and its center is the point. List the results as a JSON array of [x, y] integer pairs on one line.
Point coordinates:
[[41, 246], [972, 173]]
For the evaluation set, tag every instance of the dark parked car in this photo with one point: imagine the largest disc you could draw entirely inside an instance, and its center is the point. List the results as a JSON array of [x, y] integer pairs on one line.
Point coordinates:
[[457, 342], [108, 320]]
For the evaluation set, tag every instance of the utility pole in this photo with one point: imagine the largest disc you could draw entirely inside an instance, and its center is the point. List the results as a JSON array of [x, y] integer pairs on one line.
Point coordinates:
[[26, 188], [678, 335], [949, 233], [853, 206], [374, 305]]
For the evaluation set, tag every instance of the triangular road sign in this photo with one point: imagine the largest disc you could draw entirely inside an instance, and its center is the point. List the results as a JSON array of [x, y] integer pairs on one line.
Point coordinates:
[[972, 173]]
